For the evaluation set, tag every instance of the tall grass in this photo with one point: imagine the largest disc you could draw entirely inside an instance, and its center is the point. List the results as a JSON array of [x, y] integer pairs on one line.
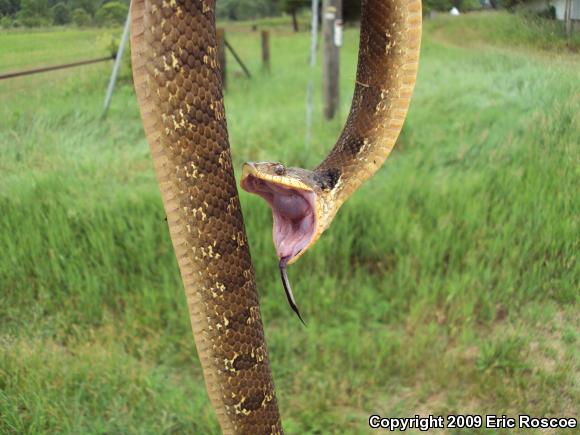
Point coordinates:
[[447, 284]]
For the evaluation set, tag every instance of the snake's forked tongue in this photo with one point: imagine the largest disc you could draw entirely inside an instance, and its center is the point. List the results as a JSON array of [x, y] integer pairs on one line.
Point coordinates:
[[287, 288]]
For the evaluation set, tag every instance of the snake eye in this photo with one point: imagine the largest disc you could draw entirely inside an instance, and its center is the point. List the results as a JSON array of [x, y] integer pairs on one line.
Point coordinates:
[[279, 169]]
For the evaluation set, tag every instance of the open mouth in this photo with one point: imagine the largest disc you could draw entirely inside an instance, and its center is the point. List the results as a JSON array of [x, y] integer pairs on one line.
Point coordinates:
[[293, 211]]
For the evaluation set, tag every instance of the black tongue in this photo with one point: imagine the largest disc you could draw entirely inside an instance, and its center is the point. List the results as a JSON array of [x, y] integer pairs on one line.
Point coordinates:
[[287, 288]]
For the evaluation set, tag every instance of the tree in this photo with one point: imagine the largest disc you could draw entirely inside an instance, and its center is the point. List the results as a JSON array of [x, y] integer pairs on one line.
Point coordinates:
[[112, 14], [89, 6], [81, 17], [35, 13], [9, 7], [6, 22], [351, 10], [60, 14], [246, 9], [292, 7]]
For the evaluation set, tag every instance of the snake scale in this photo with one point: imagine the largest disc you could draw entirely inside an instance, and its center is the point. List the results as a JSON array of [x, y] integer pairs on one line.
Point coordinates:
[[179, 90]]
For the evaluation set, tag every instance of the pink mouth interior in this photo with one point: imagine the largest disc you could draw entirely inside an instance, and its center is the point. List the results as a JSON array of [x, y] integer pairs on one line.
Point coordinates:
[[293, 212]]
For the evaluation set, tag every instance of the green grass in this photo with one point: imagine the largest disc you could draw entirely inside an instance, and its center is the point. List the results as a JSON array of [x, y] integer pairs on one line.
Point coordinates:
[[523, 30], [448, 283], [20, 50]]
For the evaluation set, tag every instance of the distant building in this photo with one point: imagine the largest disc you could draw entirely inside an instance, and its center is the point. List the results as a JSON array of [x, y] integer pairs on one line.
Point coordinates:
[[559, 6]]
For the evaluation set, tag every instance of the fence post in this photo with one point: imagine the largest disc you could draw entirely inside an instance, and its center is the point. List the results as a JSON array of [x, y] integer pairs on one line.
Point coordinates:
[[221, 53], [568, 17], [312, 63], [332, 35], [266, 49]]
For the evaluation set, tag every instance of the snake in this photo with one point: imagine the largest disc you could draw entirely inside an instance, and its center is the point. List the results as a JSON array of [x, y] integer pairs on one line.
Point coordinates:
[[178, 83]]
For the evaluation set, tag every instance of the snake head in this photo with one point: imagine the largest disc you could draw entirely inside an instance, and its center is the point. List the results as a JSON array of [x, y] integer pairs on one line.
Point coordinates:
[[298, 199], [294, 194]]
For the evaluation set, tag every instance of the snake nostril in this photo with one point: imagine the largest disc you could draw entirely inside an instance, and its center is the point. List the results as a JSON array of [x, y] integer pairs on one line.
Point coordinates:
[[279, 170]]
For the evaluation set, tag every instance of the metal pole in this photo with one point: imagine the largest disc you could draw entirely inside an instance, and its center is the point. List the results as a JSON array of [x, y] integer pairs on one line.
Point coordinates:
[[221, 54], [117, 64], [310, 89]]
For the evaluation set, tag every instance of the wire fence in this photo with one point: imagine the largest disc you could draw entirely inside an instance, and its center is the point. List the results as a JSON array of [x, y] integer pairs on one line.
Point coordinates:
[[13, 74]]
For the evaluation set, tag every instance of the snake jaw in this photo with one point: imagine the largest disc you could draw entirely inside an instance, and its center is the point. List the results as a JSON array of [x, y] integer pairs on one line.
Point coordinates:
[[294, 208], [295, 214]]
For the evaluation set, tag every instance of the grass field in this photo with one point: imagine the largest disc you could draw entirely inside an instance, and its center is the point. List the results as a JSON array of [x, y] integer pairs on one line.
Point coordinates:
[[448, 284]]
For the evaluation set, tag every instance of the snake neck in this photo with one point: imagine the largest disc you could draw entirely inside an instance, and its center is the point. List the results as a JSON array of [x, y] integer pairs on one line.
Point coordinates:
[[305, 202], [390, 39]]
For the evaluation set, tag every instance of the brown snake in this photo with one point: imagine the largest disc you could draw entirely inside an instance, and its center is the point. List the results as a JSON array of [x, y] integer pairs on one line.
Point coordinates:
[[178, 85]]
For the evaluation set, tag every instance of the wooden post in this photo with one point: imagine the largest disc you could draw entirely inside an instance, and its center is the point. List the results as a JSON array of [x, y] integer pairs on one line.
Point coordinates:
[[332, 35], [312, 62], [221, 53], [294, 20], [266, 50], [568, 17]]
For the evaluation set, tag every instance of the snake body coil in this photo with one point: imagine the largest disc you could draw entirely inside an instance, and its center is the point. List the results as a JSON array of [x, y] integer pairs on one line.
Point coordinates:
[[179, 89]]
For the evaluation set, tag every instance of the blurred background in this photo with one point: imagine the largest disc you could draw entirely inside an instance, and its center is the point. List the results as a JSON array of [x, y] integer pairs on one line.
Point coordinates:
[[448, 284]]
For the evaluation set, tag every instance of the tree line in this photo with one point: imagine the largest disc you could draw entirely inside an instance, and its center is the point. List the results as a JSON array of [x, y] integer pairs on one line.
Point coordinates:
[[42, 13], [250, 9], [35, 13]]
